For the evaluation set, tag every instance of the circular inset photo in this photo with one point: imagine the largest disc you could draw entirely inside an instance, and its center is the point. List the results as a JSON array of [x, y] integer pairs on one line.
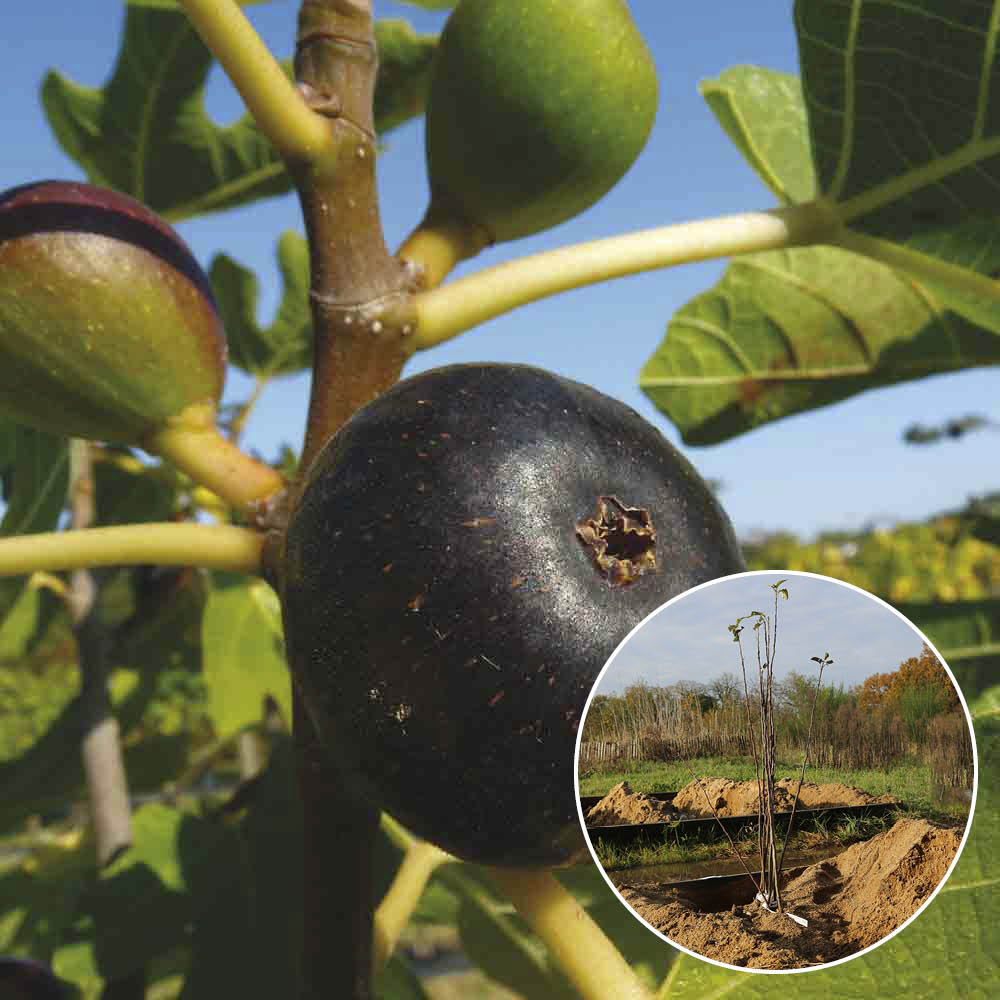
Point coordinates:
[[776, 771]]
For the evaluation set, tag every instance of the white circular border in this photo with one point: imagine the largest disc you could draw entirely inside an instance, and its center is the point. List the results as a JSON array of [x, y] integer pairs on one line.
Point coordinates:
[[972, 804]]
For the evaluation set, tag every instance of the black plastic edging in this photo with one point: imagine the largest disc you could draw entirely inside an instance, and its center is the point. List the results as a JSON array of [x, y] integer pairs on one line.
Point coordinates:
[[658, 832]]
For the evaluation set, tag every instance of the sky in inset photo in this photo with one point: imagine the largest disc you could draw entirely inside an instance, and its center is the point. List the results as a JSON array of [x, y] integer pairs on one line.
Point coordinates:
[[689, 640]]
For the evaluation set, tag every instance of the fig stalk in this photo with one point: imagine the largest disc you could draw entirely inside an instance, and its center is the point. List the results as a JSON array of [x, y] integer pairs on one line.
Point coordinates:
[[298, 133], [445, 312], [211, 546], [592, 963], [199, 449], [420, 860], [433, 249]]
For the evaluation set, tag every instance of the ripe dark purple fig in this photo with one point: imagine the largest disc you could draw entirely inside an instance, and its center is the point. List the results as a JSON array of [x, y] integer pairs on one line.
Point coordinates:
[[26, 979], [467, 552], [108, 327]]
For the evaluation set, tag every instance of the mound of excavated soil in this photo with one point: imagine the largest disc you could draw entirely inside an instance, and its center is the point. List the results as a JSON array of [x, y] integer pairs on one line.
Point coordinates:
[[739, 798], [851, 901], [622, 805]]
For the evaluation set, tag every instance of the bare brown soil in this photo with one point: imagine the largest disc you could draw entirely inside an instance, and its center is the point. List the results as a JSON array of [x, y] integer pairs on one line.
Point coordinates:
[[739, 798], [850, 901], [622, 805], [729, 798]]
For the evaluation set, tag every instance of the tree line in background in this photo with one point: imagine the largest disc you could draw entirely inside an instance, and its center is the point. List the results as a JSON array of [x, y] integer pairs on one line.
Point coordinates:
[[912, 711], [938, 560]]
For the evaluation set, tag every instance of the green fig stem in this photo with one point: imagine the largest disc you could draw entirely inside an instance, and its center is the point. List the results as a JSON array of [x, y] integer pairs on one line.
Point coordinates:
[[298, 132], [437, 245], [592, 963], [200, 450], [213, 546], [459, 305], [419, 862]]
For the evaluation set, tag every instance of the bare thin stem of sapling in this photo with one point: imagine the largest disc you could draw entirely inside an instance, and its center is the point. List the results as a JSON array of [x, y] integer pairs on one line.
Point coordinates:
[[825, 661]]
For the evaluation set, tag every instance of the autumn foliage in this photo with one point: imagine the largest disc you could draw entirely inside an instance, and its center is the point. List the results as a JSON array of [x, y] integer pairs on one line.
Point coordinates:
[[925, 670]]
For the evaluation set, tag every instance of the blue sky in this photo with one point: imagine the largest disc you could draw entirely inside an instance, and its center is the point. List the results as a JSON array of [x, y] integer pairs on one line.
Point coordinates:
[[689, 640], [835, 468]]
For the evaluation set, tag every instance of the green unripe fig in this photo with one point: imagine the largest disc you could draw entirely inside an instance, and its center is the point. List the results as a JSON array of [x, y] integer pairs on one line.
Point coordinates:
[[536, 109], [108, 327]]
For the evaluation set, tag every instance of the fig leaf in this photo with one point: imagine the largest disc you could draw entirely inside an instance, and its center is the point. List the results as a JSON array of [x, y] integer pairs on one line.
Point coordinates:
[[284, 347], [146, 132], [243, 652]]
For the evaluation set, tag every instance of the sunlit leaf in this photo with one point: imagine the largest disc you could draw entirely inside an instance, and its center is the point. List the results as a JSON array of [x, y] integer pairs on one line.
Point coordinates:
[[775, 337], [283, 347], [762, 111], [35, 476], [243, 652], [903, 117], [146, 131], [404, 64], [34, 471], [792, 330], [49, 773], [26, 622]]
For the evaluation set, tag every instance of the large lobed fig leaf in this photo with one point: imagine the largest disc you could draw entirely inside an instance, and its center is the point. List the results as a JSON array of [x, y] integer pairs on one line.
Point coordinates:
[[146, 133], [793, 330]]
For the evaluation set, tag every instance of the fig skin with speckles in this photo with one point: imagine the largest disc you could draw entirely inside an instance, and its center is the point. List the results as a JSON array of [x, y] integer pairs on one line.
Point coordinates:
[[108, 327], [447, 608]]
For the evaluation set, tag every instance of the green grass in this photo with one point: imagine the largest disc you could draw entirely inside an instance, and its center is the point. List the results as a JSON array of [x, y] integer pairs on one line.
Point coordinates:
[[680, 848], [909, 781]]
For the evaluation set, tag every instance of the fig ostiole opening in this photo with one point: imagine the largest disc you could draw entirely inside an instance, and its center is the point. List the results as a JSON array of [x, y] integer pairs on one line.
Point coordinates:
[[471, 612], [622, 540]]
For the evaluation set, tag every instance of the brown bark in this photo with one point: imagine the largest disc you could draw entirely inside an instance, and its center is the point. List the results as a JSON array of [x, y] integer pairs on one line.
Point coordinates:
[[361, 343]]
